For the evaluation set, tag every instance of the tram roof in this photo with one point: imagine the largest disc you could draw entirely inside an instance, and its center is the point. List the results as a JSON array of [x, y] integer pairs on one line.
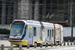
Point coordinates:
[[35, 22]]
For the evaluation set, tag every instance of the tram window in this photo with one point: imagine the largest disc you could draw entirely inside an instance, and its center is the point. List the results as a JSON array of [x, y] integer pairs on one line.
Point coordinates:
[[52, 32], [25, 30], [34, 31], [48, 32]]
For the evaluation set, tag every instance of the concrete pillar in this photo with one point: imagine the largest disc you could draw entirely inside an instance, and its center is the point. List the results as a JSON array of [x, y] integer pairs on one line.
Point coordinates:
[[15, 7], [57, 4], [51, 7], [3, 12], [23, 6], [44, 10], [30, 9], [68, 6], [64, 6], [71, 12], [36, 10], [9, 13], [51, 11], [19, 9]]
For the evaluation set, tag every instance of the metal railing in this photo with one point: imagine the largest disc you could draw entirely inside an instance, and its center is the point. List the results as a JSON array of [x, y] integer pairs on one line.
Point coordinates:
[[4, 37]]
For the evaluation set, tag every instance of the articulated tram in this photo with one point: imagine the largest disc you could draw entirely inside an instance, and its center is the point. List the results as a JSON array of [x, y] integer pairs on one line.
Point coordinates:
[[30, 32]]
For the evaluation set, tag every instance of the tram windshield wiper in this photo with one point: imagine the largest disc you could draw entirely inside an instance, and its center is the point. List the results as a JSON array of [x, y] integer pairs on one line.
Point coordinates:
[[16, 34]]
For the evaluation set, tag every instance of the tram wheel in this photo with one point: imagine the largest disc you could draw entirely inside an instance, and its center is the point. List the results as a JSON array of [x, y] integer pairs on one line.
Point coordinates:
[[56, 44], [46, 44], [59, 43], [28, 45], [41, 45], [51, 44], [35, 45]]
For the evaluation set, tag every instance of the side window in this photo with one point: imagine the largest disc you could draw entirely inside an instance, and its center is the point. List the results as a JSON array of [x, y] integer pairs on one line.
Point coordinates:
[[25, 30], [48, 32], [30, 32], [52, 32], [34, 31]]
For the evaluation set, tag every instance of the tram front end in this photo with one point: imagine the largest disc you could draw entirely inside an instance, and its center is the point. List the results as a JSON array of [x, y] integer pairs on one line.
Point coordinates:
[[18, 33]]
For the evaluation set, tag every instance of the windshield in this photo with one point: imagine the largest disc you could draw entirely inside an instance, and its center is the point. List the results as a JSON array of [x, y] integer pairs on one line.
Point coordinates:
[[16, 29]]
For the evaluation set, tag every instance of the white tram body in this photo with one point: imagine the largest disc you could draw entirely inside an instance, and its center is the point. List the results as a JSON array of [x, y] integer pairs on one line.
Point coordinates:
[[30, 32]]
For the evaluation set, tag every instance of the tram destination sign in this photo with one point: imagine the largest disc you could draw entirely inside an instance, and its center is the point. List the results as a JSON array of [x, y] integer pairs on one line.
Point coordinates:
[[18, 23]]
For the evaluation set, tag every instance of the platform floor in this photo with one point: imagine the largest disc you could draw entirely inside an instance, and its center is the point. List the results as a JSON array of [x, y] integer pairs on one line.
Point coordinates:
[[5, 42]]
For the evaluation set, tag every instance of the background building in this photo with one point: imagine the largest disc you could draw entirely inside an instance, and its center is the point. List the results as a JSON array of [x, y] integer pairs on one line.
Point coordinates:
[[42, 10]]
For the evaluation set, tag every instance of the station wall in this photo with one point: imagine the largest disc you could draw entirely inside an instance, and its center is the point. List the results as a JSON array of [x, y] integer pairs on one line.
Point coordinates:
[[67, 32]]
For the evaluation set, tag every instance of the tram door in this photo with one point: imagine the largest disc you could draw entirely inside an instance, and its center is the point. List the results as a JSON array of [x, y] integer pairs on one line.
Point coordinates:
[[30, 39]]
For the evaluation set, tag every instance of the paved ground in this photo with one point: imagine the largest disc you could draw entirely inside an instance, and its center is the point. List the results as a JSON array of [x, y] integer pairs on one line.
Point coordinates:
[[58, 48], [67, 47], [5, 42], [47, 48]]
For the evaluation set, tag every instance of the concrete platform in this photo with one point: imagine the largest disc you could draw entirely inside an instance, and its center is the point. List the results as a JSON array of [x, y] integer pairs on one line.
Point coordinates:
[[5, 42]]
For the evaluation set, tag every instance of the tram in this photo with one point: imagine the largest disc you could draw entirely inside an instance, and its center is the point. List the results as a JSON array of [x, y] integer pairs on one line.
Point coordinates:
[[32, 33]]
